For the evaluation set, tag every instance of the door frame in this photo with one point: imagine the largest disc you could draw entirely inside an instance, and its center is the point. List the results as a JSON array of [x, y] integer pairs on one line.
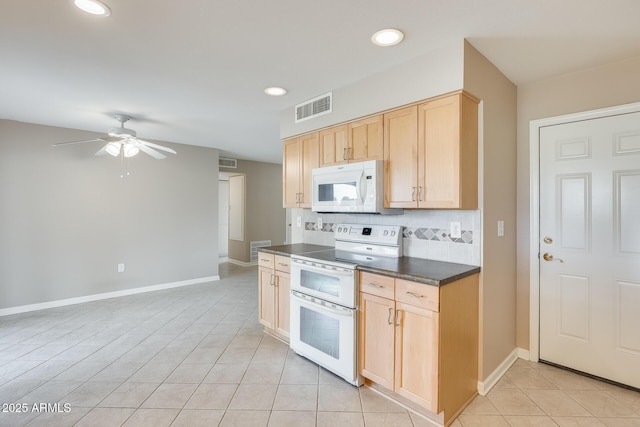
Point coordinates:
[[534, 208]]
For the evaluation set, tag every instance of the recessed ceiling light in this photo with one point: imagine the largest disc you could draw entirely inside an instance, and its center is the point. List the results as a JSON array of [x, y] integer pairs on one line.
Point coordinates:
[[275, 91], [93, 7], [388, 37]]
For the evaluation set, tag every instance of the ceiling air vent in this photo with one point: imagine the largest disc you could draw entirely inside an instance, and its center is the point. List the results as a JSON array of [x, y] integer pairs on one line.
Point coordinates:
[[228, 163], [314, 107]]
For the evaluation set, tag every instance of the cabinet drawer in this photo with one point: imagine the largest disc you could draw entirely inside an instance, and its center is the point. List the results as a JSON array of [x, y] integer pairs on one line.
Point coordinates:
[[418, 294], [265, 259], [283, 263], [375, 284]]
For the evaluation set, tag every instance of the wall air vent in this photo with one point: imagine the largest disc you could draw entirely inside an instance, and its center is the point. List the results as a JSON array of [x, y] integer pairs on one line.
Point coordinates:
[[253, 247], [314, 107], [228, 163]]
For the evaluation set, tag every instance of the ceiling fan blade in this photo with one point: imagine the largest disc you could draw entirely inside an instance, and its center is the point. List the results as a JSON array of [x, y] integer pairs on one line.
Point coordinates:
[[102, 151], [78, 142], [156, 146], [150, 151]]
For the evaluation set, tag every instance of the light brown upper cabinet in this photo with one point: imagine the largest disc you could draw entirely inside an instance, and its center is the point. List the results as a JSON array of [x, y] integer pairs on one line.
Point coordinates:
[[300, 156], [333, 146], [353, 142], [431, 153]]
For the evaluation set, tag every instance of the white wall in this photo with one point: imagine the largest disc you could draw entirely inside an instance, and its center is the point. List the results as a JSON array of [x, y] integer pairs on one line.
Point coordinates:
[[437, 72]]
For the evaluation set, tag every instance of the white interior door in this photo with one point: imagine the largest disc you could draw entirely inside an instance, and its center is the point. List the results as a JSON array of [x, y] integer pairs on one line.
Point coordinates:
[[590, 246]]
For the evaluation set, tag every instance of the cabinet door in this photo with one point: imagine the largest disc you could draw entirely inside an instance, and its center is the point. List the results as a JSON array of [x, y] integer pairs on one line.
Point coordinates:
[[266, 297], [439, 153], [377, 339], [282, 290], [310, 158], [416, 345], [333, 146], [366, 139], [291, 173], [448, 153], [400, 151]]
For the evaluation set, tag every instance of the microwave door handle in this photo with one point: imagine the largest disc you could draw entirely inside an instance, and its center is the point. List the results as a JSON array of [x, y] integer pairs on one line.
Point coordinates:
[[363, 187]]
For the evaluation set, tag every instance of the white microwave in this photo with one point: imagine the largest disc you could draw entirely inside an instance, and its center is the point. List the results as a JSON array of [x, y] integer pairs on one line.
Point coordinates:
[[351, 188]]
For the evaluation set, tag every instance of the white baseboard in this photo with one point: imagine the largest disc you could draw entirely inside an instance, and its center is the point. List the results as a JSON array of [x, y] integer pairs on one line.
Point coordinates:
[[485, 386], [95, 297], [242, 263], [523, 354]]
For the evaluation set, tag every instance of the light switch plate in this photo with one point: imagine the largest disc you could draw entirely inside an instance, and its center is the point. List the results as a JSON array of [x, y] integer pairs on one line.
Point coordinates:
[[500, 228], [319, 222], [456, 230], [299, 221], [120, 268]]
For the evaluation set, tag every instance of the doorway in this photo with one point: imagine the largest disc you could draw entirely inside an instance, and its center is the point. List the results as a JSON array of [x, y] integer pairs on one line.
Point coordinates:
[[585, 242]]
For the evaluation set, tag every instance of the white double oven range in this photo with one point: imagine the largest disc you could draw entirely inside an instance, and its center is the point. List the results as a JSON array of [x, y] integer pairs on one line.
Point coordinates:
[[324, 295]]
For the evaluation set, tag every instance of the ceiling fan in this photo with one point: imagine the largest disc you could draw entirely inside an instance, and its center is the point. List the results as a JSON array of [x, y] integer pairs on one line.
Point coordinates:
[[123, 141]]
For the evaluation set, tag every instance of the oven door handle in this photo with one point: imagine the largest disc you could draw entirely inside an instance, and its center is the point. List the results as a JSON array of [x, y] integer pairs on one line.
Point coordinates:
[[336, 271], [344, 312]]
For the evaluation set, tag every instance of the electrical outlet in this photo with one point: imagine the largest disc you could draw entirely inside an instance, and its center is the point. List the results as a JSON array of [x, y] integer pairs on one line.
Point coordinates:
[[456, 230], [120, 268], [500, 228], [319, 222], [299, 221]]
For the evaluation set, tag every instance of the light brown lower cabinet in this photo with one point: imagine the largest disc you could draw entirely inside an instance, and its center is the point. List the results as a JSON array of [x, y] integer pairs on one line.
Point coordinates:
[[419, 343], [273, 294]]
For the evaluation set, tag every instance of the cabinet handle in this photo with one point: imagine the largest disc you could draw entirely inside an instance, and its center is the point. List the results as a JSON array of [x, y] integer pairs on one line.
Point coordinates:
[[375, 286], [349, 153], [420, 194], [273, 280], [264, 259], [282, 264], [397, 317], [414, 295], [389, 318], [413, 194], [344, 154]]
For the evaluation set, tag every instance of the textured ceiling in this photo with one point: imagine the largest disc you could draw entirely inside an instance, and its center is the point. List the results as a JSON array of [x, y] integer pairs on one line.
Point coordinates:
[[194, 72]]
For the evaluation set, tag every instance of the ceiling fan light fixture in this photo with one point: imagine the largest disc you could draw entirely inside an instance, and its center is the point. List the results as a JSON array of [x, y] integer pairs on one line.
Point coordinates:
[[94, 7], [275, 91], [113, 148], [130, 150], [387, 37]]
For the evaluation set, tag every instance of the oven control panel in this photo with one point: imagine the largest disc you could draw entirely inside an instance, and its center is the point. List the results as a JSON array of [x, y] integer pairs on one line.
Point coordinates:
[[374, 234]]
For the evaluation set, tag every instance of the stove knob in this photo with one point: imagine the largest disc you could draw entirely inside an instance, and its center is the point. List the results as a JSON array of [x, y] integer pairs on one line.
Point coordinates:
[[339, 229], [385, 233], [393, 233]]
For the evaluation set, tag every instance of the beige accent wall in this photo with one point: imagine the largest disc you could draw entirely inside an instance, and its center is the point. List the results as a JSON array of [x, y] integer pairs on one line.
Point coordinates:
[[67, 219], [497, 195], [605, 86], [265, 216]]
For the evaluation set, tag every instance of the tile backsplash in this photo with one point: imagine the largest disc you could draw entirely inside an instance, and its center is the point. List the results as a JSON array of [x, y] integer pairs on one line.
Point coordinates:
[[426, 233]]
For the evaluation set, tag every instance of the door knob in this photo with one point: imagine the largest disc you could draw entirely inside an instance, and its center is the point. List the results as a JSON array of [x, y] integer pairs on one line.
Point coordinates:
[[549, 257]]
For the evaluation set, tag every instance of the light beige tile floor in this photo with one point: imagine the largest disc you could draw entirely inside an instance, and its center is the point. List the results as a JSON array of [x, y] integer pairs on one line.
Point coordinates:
[[196, 356]]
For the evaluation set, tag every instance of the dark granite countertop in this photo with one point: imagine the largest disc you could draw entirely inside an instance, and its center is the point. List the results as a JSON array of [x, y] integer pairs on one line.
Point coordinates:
[[427, 271], [296, 248]]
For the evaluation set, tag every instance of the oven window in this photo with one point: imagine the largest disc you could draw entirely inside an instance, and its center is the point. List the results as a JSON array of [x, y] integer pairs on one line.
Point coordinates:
[[320, 332], [341, 192], [319, 282]]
